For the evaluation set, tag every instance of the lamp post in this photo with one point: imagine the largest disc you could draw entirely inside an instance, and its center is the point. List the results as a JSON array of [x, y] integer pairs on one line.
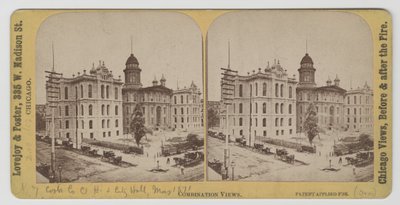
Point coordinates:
[[59, 173], [233, 164]]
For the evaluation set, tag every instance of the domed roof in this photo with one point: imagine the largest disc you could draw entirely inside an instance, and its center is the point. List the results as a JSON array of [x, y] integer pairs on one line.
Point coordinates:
[[132, 60], [306, 59]]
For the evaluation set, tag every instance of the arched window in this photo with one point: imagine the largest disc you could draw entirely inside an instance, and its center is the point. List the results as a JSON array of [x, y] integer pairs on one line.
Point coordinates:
[[90, 110], [103, 122], [264, 122], [83, 124], [276, 122], [182, 100], [116, 110], [281, 90], [81, 91], [66, 93], [264, 89], [240, 108], [290, 92], [90, 124], [174, 99], [90, 91], [276, 90], [281, 121], [256, 105], [102, 109], [264, 108], [290, 122], [116, 123], [281, 108], [240, 90], [176, 111], [182, 111], [108, 109], [276, 108], [108, 123], [107, 91], [66, 110], [116, 93], [102, 91], [251, 90], [82, 110], [240, 121], [290, 108], [256, 89]]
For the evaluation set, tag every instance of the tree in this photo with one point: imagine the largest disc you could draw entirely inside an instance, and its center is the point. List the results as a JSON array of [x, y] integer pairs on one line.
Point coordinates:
[[137, 124], [212, 117], [40, 121], [311, 123], [366, 140]]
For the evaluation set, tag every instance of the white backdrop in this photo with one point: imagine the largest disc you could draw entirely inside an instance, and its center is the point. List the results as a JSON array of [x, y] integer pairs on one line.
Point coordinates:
[[8, 6]]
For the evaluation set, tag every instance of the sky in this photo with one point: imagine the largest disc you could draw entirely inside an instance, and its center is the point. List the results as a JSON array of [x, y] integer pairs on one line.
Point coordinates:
[[164, 42], [339, 43]]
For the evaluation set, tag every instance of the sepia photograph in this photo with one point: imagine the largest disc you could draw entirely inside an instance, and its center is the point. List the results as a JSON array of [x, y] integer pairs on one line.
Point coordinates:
[[119, 98], [290, 97]]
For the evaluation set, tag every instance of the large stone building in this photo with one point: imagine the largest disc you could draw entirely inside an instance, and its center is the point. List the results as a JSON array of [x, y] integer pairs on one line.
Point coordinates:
[[89, 105], [328, 99], [162, 107], [359, 109], [187, 108], [263, 105]]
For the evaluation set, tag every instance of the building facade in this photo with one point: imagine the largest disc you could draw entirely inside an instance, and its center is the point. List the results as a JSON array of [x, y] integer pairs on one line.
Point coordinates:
[[359, 109], [263, 105], [89, 105], [187, 108], [328, 99]]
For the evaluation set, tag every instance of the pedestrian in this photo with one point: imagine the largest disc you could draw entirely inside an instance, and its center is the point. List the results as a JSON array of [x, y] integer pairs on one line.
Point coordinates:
[[168, 161], [354, 170], [182, 170], [340, 160]]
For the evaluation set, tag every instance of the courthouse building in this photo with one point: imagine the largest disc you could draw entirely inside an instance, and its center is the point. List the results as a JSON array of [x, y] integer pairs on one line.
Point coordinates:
[[187, 108], [328, 99], [89, 105], [263, 105], [359, 109]]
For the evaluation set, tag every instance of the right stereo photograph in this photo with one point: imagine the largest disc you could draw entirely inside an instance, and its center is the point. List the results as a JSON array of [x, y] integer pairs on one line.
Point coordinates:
[[291, 97]]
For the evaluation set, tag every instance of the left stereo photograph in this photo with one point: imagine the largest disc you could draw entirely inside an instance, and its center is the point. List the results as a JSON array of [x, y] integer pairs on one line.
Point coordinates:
[[119, 98]]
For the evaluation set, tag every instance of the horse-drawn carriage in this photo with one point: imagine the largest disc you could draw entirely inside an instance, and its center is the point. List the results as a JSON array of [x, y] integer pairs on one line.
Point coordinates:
[[109, 156], [283, 155], [189, 159], [68, 144]]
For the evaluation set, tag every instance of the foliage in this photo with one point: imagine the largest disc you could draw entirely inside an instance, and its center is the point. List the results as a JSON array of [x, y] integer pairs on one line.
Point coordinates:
[[137, 124], [40, 122], [311, 123], [366, 140], [212, 117], [194, 140]]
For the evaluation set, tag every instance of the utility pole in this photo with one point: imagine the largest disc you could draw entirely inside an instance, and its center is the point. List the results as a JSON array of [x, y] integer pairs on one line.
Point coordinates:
[[52, 95], [227, 93]]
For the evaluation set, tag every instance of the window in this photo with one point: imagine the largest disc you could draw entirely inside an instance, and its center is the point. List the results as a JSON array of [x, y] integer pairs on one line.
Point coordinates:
[[102, 109], [281, 121], [108, 91], [102, 91], [290, 92], [116, 110], [90, 110], [82, 110], [251, 90], [240, 121], [276, 108], [66, 124], [90, 91], [264, 108], [116, 93], [264, 122], [290, 122], [264, 89], [355, 111], [81, 91], [276, 122], [240, 108], [240, 90], [276, 90], [181, 99], [256, 89], [83, 124], [108, 109], [281, 90], [355, 99], [256, 105], [90, 124], [116, 123], [174, 99], [176, 111], [66, 93], [281, 108], [290, 108], [182, 111], [66, 110], [108, 123], [103, 122]]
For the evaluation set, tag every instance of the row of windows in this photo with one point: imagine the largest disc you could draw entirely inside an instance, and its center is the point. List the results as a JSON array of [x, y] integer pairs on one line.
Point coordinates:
[[195, 110], [366, 120], [104, 124], [366, 111], [279, 108], [104, 92], [279, 90], [194, 119], [278, 122], [194, 97], [104, 110], [265, 132], [367, 100]]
